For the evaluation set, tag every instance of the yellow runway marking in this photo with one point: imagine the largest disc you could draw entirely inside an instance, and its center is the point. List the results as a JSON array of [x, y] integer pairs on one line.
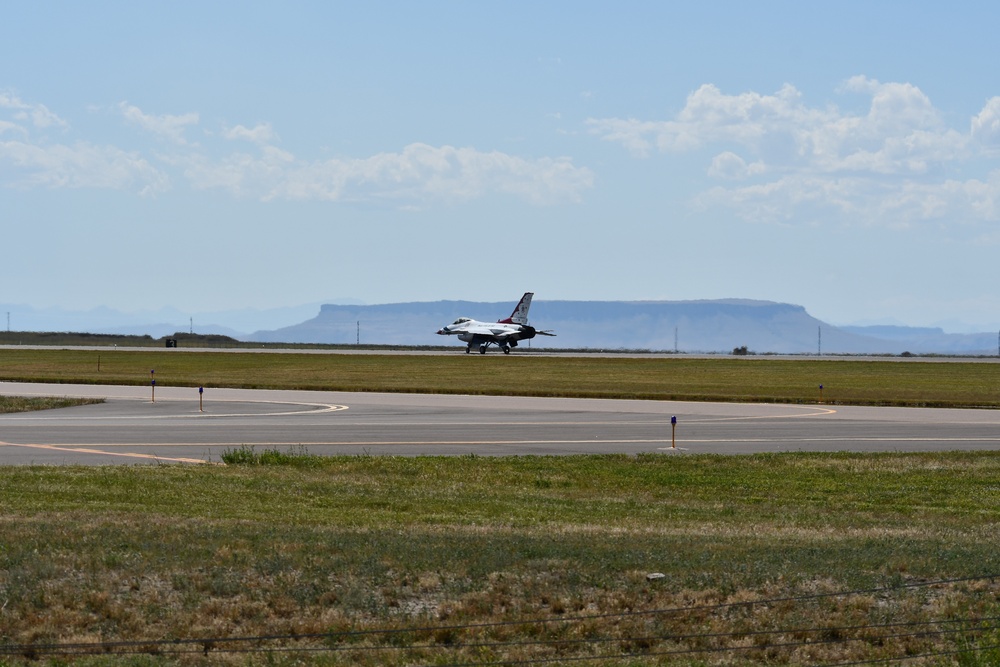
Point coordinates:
[[85, 450]]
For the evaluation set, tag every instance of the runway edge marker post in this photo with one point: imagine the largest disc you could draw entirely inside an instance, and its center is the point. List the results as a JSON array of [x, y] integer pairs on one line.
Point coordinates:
[[673, 432]]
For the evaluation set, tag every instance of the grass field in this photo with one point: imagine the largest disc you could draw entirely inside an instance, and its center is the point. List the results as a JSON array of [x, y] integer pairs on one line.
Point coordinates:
[[287, 558], [790, 559], [863, 381]]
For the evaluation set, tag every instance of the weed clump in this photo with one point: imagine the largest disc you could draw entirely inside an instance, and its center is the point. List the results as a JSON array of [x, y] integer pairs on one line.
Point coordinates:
[[249, 456]]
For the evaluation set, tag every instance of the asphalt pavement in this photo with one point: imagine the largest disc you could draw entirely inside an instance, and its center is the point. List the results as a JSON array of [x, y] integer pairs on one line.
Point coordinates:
[[178, 425]]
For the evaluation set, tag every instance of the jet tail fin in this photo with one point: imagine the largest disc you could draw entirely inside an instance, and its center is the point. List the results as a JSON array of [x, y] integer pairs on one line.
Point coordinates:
[[520, 314]]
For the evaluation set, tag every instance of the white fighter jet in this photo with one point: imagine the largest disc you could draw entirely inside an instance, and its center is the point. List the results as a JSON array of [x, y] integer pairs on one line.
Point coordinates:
[[504, 334]]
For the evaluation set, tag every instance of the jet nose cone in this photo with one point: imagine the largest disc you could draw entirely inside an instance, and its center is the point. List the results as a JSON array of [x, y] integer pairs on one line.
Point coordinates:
[[442, 332]]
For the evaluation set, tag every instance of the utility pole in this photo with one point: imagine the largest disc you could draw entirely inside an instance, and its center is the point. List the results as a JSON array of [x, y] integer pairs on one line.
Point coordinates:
[[358, 341], [819, 342], [675, 340]]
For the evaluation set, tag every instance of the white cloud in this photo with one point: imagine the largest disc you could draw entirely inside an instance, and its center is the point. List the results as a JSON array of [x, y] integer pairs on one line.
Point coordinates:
[[262, 133], [894, 105], [37, 161], [860, 201], [709, 116], [81, 166], [38, 114], [167, 126], [901, 133], [884, 162], [630, 133], [730, 166], [241, 174], [986, 125], [12, 128], [417, 174]]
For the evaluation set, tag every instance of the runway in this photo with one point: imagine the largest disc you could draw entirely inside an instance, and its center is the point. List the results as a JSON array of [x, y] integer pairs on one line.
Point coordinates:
[[176, 425]]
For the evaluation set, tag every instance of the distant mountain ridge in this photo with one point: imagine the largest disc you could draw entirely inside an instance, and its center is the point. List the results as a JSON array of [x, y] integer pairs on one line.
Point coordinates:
[[933, 340], [687, 326], [155, 323]]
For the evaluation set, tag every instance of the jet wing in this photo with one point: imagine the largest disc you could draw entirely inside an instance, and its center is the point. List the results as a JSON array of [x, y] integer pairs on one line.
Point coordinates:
[[496, 333], [486, 331]]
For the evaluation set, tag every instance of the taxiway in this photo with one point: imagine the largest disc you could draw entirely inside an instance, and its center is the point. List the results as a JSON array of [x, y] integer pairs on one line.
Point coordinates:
[[177, 425]]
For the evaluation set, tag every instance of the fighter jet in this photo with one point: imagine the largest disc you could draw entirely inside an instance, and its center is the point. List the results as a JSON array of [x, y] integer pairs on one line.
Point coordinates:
[[504, 334]]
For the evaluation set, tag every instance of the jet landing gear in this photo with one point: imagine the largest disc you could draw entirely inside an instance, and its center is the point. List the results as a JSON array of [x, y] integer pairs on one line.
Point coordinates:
[[482, 348]]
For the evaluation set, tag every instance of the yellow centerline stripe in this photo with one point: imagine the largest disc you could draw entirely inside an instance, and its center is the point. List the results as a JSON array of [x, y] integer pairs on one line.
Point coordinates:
[[85, 450]]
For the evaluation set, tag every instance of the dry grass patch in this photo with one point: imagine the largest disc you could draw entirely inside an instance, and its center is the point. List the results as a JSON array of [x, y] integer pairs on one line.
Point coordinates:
[[10, 404], [770, 559]]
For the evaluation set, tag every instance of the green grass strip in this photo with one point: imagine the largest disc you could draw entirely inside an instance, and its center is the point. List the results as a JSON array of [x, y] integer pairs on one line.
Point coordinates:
[[760, 379]]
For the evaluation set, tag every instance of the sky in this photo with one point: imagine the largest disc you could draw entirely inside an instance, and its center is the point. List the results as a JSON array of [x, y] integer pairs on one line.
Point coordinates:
[[209, 156]]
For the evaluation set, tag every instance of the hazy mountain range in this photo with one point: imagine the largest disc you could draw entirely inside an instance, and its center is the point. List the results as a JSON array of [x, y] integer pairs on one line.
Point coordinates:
[[156, 323], [685, 326]]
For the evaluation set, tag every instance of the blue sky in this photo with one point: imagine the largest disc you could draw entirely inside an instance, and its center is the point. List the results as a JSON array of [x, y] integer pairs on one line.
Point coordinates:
[[224, 155]]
